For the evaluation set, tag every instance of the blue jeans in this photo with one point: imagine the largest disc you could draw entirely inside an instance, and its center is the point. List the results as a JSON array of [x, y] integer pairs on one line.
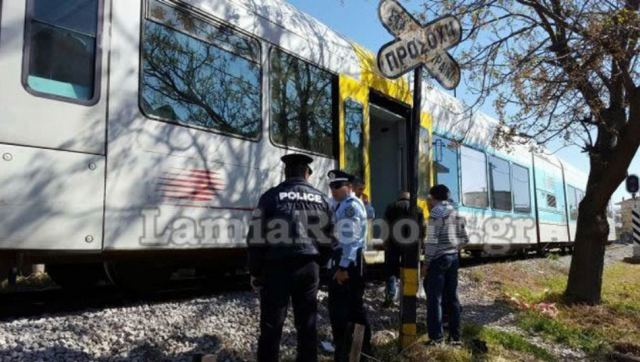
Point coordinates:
[[391, 287], [392, 256], [441, 286]]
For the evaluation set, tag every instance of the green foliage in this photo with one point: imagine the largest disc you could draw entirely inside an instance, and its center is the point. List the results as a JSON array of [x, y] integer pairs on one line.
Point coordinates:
[[507, 340], [553, 256], [557, 330], [419, 352]]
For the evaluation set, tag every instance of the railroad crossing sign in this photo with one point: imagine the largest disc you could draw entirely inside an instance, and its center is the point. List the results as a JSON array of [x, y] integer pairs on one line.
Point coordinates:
[[416, 45]]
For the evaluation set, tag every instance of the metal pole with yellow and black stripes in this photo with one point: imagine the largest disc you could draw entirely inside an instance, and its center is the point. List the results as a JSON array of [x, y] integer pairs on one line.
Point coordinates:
[[635, 226], [411, 257]]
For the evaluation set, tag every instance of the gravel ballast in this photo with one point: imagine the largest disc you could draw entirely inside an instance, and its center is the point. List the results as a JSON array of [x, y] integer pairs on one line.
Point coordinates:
[[225, 325]]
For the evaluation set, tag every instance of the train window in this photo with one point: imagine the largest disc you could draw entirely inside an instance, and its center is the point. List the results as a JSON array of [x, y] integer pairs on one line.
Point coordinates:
[[199, 73], [354, 137], [423, 163], [302, 104], [521, 190], [573, 200], [474, 178], [446, 166], [61, 58], [500, 180]]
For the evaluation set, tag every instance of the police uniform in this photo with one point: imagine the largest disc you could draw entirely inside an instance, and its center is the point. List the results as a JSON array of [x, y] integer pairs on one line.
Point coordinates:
[[284, 259], [346, 301]]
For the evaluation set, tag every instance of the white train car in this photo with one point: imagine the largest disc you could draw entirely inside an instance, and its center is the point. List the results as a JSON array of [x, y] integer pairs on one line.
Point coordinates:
[[138, 135], [140, 129]]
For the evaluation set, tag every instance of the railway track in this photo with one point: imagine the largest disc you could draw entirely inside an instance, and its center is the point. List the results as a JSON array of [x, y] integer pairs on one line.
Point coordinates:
[[34, 303], [53, 300]]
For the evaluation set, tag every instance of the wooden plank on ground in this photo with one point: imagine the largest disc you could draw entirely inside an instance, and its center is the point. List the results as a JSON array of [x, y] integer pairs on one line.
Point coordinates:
[[356, 344]]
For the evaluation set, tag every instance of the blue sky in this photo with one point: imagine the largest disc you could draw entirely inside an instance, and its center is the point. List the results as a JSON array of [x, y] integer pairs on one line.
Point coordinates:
[[358, 20]]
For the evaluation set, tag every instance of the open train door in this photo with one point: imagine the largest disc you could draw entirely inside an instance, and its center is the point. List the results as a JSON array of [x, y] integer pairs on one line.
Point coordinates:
[[388, 150]]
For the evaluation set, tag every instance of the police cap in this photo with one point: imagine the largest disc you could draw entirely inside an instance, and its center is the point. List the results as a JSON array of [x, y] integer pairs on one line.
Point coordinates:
[[338, 176], [295, 159]]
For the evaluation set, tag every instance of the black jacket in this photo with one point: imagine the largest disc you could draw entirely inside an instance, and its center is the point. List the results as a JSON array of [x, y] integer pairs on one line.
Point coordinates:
[[397, 211], [293, 219]]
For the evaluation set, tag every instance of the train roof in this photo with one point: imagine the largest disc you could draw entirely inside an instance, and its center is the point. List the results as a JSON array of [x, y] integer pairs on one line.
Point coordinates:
[[281, 23]]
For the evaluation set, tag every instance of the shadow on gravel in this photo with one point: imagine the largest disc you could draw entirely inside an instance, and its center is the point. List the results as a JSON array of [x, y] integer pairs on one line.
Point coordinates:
[[57, 300], [204, 345], [54, 353]]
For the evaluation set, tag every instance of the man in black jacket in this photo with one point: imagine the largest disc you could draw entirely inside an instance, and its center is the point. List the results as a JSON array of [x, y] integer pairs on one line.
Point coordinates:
[[396, 212], [289, 237]]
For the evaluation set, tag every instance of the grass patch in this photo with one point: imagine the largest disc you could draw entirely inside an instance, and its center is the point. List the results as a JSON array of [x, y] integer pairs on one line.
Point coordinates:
[[479, 344], [501, 278], [444, 353], [388, 352], [476, 276], [596, 330], [506, 341], [613, 325], [621, 289], [559, 331], [553, 256]]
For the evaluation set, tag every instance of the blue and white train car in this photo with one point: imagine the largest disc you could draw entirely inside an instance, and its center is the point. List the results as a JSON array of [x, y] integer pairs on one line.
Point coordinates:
[[513, 199]]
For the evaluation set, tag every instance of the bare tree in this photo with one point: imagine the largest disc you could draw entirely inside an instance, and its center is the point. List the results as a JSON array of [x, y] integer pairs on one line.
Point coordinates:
[[560, 68]]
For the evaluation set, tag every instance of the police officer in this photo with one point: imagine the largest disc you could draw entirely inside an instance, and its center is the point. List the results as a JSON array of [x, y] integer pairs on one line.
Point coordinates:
[[346, 289], [289, 235]]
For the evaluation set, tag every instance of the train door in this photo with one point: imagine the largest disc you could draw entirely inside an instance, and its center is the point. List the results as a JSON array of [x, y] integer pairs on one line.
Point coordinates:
[[387, 151], [53, 91], [550, 196]]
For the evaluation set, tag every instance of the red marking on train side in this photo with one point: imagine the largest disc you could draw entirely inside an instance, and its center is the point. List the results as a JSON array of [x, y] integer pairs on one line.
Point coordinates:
[[193, 185]]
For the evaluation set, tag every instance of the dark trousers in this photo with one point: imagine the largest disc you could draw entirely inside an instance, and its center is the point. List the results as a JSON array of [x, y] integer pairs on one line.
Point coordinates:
[[441, 286], [346, 308], [296, 280]]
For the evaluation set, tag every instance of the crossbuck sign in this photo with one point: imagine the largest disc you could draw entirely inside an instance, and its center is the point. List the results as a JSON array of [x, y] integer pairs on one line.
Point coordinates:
[[416, 45]]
